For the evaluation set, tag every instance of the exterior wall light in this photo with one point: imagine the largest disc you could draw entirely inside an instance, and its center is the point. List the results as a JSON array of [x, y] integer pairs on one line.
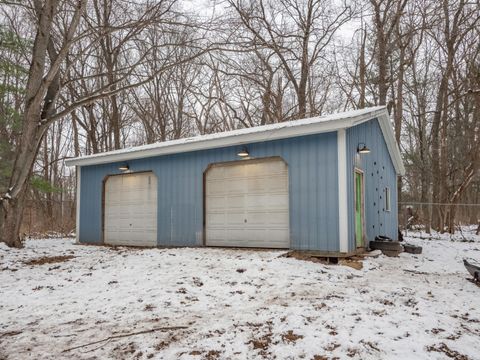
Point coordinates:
[[362, 149], [243, 152], [123, 167]]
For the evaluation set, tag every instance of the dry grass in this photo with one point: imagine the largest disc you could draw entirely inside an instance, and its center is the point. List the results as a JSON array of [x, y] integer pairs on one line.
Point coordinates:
[[355, 264], [290, 336], [443, 348], [49, 260]]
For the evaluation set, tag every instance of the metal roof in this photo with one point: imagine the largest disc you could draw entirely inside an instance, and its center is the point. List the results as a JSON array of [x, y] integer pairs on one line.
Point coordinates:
[[269, 132]]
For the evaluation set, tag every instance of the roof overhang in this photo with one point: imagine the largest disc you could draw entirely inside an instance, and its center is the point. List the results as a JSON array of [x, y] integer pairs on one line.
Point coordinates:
[[270, 132], [392, 146]]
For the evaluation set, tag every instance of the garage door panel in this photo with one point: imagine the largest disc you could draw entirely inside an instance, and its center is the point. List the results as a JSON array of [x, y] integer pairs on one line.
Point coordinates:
[[131, 210], [217, 236], [266, 201], [254, 205], [268, 168], [236, 236], [271, 218], [216, 219], [232, 172], [145, 208], [235, 187], [235, 218], [266, 236], [258, 184], [278, 183], [233, 202], [279, 218], [215, 203], [215, 188]]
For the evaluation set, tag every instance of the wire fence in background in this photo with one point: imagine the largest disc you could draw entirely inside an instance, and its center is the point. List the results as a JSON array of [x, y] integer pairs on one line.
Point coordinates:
[[438, 216], [47, 216]]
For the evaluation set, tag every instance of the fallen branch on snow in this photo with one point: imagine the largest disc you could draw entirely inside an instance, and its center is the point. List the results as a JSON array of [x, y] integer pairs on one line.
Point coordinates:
[[126, 335], [11, 333], [417, 272]]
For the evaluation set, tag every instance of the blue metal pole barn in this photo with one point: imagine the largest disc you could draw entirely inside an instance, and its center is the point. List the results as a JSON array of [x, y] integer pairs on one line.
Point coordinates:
[[323, 160]]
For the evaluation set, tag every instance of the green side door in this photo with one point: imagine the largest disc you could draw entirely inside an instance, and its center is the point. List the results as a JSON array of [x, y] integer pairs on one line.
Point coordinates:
[[359, 209]]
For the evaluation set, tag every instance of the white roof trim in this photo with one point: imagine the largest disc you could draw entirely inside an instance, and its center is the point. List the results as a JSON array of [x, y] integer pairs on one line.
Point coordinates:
[[392, 145], [283, 130]]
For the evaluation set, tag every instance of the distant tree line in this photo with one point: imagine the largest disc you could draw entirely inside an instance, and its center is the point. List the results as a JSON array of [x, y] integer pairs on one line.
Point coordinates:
[[79, 77]]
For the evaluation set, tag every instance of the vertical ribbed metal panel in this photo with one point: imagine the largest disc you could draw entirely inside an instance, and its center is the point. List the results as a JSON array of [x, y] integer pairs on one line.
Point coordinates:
[[313, 184], [379, 173]]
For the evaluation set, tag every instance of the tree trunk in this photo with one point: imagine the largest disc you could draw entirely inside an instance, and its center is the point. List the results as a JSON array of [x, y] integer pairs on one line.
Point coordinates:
[[13, 203], [362, 71], [76, 144], [115, 121], [11, 214], [381, 56], [436, 127], [302, 100], [451, 218], [398, 115]]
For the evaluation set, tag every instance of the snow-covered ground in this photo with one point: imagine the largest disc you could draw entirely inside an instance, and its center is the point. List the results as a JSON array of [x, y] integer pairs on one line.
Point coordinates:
[[463, 233], [235, 304]]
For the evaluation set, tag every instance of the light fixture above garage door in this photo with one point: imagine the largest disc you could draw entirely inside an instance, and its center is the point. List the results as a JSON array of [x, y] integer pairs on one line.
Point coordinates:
[[243, 152], [123, 167]]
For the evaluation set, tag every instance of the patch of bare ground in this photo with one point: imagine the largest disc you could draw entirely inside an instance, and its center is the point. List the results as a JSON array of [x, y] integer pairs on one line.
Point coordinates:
[[290, 337], [172, 338], [332, 346], [332, 330], [322, 357], [386, 302], [300, 255], [443, 348], [125, 350], [149, 307], [353, 263], [212, 355], [262, 342], [49, 260], [369, 344], [207, 355], [351, 352], [466, 317], [437, 330]]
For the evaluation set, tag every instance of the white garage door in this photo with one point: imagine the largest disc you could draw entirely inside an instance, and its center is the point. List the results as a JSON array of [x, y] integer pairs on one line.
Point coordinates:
[[247, 204], [131, 210]]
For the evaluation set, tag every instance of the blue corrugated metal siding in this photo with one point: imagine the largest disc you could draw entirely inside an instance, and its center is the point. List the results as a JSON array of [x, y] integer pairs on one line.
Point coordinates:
[[313, 182], [379, 173]]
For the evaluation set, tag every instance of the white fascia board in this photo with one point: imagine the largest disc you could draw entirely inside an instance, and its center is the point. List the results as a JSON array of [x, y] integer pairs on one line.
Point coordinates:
[[342, 190], [392, 145], [236, 137]]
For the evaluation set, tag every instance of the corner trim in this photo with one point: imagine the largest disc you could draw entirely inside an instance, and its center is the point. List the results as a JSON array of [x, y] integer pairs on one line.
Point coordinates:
[[77, 215], [342, 190]]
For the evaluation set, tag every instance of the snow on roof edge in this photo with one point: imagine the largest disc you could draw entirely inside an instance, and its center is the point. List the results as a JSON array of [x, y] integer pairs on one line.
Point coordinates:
[[286, 129]]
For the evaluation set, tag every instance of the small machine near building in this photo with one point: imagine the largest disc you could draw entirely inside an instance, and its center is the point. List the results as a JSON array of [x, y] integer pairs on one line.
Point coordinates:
[[326, 184]]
